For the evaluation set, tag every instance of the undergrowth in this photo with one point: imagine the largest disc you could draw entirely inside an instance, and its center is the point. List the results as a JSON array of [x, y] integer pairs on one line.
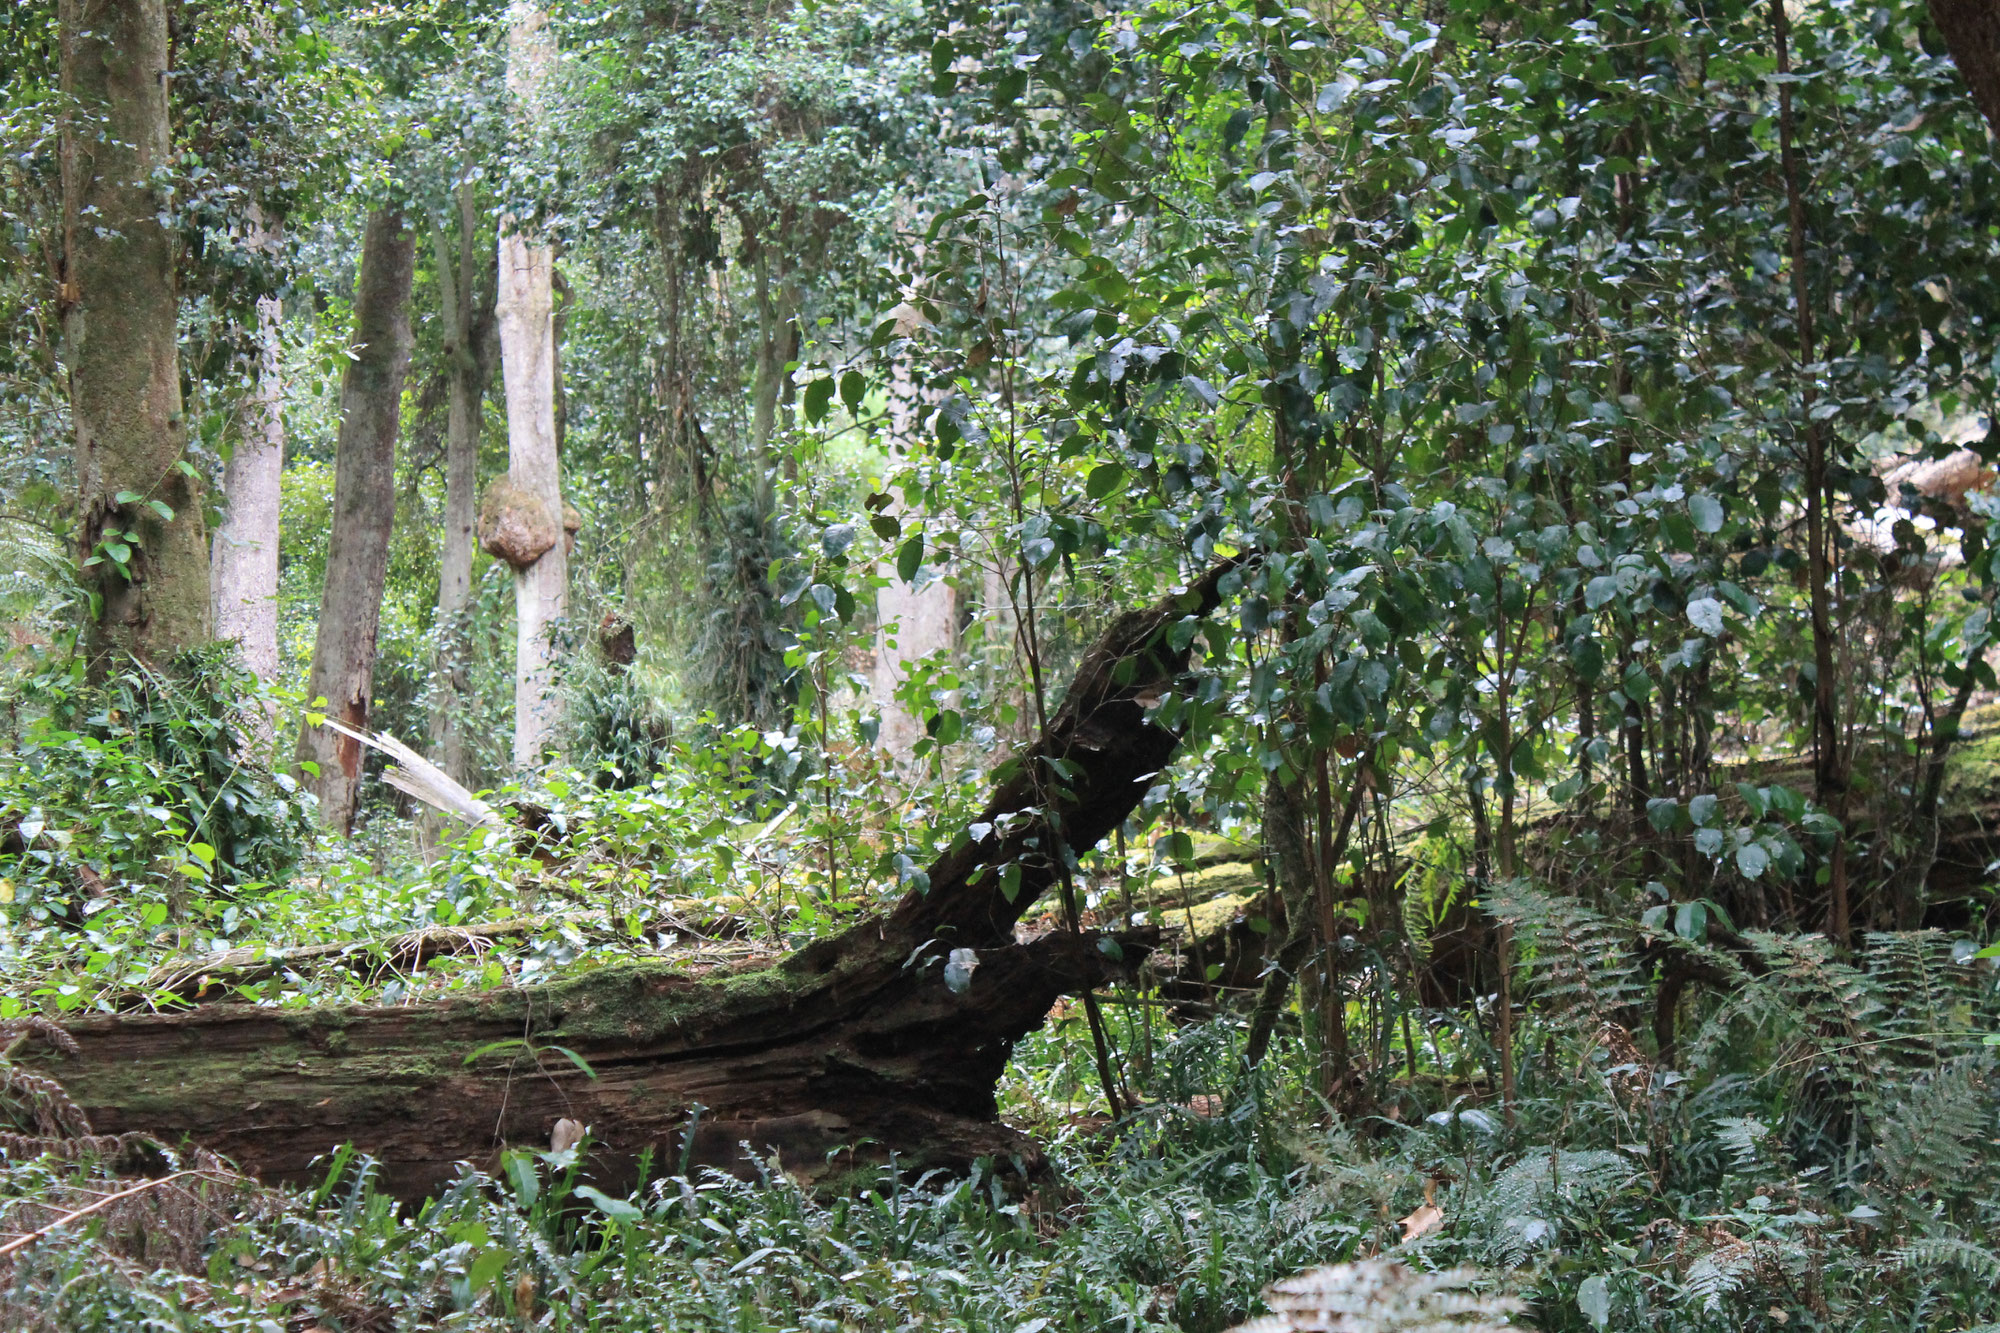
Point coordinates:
[[1675, 1200]]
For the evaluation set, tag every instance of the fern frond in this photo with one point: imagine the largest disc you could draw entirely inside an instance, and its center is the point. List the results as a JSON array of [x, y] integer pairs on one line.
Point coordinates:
[[1735, 1264], [1932, 1135], [1521, 1212], [1945, 1252], [1580, 960], [1926, 993]]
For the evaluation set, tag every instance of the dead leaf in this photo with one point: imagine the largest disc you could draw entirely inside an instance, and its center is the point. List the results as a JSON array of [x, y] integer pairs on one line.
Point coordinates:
[[566, 1135], [1427, 1218]]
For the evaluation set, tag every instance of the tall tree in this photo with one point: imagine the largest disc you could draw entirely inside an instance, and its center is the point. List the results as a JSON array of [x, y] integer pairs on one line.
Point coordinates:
[[364, 512], [1971, 31], [527, 358], [244, 576], [144, 552], [468, 367]]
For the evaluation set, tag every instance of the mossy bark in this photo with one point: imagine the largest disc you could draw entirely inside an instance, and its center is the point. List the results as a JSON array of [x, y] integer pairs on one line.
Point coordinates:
[[140, 534], [854, 1046]]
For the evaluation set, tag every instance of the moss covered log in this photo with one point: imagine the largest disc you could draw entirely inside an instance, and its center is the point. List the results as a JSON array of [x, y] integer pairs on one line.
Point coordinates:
[[856, 1044]]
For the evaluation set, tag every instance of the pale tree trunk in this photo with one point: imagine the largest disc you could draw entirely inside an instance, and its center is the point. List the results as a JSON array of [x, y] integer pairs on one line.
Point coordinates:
[[527, 360], [244, 571], [145, 556], [1971, 31], [463, 427], [911, 622], [364, 513]]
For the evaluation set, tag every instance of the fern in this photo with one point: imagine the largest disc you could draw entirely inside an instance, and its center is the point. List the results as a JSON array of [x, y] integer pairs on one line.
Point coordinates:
[[1926, 994], [1376, 1296], [1580, 960], [1945, 1252], [1932, 1136], [1824, 1009], [1521, 1212]]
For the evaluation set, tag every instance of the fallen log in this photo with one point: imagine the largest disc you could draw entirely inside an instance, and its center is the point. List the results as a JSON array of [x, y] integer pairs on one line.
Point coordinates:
[[845, 1053]]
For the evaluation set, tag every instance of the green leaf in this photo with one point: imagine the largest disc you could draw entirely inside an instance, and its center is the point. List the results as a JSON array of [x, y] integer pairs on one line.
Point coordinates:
[[853, 388], [163, 509], [1706, 511], [817, 396], [911, 558], [1752, 859], [619, 1210], [127, 498], [520, 1168], [1104, 479], [576, 1060], [1593, 1298], [487, 1267], [887, 526]]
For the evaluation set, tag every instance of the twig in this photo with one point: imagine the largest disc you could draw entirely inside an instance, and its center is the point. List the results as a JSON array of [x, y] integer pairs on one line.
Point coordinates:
[[22, 1242]]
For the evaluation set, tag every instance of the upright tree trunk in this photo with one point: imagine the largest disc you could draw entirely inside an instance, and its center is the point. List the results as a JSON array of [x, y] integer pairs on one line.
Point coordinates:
[[527, 358], [466, 373], [1829, 747], [1971, 30], [364, 513], [245, 559], [911, 622], [140, 534]]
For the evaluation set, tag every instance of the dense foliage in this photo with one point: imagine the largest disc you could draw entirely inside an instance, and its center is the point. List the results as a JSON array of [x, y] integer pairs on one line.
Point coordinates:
[[1577, 847]]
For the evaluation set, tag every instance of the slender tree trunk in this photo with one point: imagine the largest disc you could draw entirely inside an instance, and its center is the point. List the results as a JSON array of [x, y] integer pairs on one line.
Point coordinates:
[[911, 622], [140, 534], [245, 558], [527, 359], [1829, 748], [1971, 30], [364, 513], [463, 428]]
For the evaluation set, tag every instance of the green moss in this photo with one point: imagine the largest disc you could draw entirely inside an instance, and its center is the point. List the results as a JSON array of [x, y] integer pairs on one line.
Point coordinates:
[[642, 1000]]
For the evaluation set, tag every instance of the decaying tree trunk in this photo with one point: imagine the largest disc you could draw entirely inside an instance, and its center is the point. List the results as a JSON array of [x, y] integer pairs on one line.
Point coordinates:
[[850, 1050], [364, 513]]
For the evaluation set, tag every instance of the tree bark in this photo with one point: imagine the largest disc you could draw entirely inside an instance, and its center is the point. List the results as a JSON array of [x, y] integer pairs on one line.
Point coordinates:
[[1971, 31], [856, 1043], [912, 622], [527, 358], [140, 535], [364, 513], [244, 573], [464, 425]]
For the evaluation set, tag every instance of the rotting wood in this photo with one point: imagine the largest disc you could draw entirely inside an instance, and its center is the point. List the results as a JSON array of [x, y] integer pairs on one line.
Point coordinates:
[[847, 1052]]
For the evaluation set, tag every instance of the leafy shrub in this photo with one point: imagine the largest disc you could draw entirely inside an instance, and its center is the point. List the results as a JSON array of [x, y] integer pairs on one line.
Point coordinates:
[[144, 784]]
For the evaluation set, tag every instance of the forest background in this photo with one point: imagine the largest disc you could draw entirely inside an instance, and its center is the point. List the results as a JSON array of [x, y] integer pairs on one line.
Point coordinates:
[[716, 434]]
